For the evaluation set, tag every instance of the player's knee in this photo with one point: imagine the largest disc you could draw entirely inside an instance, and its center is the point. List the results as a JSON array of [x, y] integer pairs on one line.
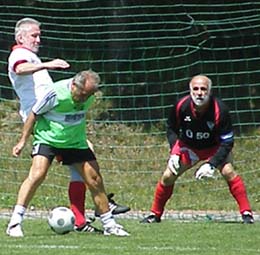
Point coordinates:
[[36, 176], [95, 183], [228, 171], [168, 178], [92, 175]]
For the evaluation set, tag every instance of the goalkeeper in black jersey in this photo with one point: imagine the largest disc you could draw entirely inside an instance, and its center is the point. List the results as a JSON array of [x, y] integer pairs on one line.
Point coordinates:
[[199, 129]]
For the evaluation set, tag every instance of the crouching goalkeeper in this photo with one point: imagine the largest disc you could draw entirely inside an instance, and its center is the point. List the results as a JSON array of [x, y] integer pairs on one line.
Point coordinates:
[[199, 129]]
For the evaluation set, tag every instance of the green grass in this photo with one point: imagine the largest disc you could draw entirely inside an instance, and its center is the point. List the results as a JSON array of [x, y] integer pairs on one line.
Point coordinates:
[[167, 238]]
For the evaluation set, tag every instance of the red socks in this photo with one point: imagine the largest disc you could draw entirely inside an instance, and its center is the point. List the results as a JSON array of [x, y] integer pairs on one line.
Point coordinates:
[[161, 196], [238, 190], [77, 192], [236, 187]]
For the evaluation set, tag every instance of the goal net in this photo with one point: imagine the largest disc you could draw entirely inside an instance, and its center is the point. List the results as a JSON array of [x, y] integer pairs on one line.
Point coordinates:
[[145, 52]]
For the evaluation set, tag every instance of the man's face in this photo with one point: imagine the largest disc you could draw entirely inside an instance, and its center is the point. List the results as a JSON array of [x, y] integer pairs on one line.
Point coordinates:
[[199, 91], [30, 37], [81, 95]]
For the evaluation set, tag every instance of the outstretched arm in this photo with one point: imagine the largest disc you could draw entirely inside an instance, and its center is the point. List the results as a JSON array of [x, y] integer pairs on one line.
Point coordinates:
[[27, 131], [29, 68]]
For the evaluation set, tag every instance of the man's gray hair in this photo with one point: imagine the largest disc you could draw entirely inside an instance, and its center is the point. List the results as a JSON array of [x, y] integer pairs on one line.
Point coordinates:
[[209, 81], [19, 27], [80, 78]]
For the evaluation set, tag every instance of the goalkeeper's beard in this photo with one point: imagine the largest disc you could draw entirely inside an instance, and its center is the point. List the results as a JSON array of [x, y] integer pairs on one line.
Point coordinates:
[[199, 101]]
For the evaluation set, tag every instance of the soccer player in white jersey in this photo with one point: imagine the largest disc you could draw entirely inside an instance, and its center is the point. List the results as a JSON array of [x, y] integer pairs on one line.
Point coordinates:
[[30, 79], [27, 73]]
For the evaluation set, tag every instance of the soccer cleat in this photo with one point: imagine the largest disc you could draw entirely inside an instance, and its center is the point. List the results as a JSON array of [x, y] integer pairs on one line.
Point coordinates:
[[15, 230], [247, 217], [90, 219], [116, 230], [87, 228], [114, 207], [152, 218]]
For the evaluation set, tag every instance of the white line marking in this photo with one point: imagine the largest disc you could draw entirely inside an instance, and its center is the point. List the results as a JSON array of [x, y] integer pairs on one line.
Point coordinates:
[[44, 246]]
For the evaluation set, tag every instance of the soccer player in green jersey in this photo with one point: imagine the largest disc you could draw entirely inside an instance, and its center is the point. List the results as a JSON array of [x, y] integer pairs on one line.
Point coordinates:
[[58, 124], [29, 77]]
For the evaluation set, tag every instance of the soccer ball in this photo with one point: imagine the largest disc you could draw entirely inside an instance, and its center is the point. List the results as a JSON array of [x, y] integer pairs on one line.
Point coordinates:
[[61, 220]]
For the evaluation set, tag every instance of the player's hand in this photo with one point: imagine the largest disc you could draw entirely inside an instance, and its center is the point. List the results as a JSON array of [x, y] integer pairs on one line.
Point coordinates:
[[57, 63], [174, 163], [17, 149], [205, 171]]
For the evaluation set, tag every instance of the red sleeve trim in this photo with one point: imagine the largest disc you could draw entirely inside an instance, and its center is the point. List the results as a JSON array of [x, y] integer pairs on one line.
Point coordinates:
[[217, 113], [18, 63], [178, 106]]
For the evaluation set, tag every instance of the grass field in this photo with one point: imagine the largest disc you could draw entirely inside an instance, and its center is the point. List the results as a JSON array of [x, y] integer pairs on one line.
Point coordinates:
[[169, 237]]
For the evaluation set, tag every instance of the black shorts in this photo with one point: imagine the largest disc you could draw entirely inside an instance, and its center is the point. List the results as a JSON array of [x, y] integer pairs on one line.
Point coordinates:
[[65, 156]]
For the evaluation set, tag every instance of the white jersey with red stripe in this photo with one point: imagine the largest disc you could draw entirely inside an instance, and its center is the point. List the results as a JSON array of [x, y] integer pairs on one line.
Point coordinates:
[[27, 87]]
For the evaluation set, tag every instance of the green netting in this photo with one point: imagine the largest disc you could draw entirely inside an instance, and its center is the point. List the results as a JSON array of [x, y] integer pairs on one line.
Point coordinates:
[[146, 52]]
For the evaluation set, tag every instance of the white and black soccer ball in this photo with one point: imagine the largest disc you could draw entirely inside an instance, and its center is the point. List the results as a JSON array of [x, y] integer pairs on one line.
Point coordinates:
[[61, 220]]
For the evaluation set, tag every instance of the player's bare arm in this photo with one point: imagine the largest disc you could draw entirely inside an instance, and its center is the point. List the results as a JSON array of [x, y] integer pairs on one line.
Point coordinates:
[[26, 132], [29, 68]]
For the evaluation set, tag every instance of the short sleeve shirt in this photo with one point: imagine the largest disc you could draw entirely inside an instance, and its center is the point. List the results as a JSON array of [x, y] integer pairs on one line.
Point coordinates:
[[27, 87]]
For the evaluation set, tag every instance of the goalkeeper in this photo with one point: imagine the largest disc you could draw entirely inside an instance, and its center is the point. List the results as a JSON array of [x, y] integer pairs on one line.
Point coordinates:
[[199, 129], [58, 124]]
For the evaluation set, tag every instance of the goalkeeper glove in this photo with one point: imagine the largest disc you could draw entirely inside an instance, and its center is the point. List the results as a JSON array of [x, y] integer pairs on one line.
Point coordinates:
[[174, 163], [206, 170]]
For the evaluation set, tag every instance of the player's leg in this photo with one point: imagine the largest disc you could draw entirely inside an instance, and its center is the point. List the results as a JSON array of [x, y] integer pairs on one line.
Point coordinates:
[[89, 170], [238, 190], [165, 185], [163, 192], [113, 206], [77, 193], [36, 176]]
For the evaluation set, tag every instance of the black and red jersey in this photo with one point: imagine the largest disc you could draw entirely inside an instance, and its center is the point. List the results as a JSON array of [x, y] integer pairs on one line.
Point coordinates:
[[212, 128]]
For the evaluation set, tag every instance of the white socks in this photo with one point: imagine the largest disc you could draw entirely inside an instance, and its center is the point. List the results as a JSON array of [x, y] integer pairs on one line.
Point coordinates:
[[107, 219], [17, 215]]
